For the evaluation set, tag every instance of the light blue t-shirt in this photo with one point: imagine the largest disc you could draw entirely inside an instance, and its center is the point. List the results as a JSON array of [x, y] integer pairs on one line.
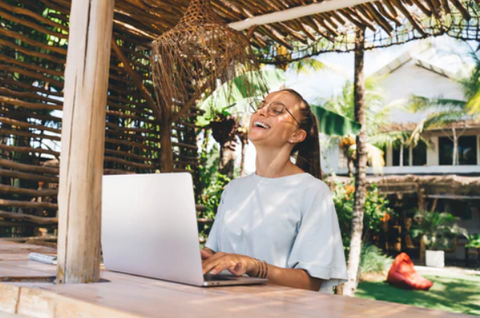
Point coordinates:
[[288, 222]]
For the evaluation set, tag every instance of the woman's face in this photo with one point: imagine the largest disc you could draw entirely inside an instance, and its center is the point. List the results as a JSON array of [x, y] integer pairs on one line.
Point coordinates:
[[276, 131]]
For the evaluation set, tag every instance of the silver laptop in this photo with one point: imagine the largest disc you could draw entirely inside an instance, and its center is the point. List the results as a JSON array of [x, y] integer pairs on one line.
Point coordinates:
[[149, 228]]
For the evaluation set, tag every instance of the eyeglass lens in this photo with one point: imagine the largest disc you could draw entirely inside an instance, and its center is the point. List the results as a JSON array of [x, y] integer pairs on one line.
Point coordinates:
[[274, 108]]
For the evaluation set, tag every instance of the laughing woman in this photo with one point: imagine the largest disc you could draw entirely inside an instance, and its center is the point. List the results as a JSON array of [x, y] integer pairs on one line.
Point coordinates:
[[280, 222]]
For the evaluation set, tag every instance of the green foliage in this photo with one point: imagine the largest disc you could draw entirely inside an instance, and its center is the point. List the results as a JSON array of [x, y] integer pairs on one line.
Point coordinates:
[[210, 197], [437, 230], [210, 185], [211, 182], [377, 117], [373, 260], [473, 241], [376, 210], [445, 111]]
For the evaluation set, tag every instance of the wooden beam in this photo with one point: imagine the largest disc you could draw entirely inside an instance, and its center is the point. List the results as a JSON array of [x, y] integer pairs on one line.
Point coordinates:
[[83, 141], [295, 13], [27, 176], [28, 218], [27, 192], [25, 167], [28, 204]]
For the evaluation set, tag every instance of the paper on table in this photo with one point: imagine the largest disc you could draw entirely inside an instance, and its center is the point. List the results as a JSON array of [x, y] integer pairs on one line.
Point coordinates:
[[47, 259]]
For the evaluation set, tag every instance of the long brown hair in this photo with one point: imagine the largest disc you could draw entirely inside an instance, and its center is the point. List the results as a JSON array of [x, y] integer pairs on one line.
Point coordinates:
[[307, 152]]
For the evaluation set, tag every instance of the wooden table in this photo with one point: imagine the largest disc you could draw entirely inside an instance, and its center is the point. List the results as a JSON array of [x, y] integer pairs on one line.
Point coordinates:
[[131, 296]]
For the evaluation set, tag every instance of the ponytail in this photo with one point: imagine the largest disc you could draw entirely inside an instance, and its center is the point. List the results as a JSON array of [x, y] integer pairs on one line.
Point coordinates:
[[307, 152]]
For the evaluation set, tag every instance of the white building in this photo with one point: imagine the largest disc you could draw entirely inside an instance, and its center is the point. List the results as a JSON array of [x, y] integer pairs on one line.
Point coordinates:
[[403, 77], [418, 74]]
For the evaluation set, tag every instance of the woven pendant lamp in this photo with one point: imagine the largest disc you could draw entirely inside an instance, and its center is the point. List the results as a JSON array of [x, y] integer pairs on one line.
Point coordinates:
[[198, 54]]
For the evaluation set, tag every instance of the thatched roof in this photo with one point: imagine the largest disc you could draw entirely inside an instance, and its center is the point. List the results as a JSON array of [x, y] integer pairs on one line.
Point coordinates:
[[410, 126], [390, 22], [439, 186]]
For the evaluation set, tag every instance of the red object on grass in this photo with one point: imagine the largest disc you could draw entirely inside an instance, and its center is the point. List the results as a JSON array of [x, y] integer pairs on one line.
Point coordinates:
[[402, 274]]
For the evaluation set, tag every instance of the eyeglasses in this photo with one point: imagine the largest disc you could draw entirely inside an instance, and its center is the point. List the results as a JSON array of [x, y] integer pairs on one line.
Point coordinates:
[[273, 109]]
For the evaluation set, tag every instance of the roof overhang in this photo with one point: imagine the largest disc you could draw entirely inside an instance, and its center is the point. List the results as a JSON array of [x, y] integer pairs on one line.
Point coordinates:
[[295, 13]]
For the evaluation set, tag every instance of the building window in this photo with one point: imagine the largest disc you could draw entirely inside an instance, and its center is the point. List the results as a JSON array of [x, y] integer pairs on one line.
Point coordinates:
[[466, 150], [445, 151], [396, 156], [419, 154]]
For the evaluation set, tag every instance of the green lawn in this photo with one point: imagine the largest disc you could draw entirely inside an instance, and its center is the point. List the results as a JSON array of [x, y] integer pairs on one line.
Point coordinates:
[[451, 292]]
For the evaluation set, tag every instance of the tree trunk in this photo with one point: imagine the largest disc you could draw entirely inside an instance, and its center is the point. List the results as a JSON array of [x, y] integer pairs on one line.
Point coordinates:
[[351, 166], [360, 168], [455, 148], [242, 161], [83, 141], [401, 155], [227, 158], [166, 152], [422, 251]]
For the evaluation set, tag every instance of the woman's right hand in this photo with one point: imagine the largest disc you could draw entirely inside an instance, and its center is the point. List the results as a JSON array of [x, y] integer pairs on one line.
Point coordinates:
[[206, 253]]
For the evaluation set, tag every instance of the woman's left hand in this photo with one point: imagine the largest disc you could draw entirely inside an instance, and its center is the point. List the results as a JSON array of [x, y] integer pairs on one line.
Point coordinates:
[[235, 263]]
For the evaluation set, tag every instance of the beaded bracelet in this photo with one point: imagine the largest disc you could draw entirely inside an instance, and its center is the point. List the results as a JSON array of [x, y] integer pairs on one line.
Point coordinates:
[[259, 267], [266, 270], [262, 269]]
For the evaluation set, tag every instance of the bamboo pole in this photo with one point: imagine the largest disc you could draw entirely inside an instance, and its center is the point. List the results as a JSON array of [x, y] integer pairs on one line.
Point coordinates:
[[28, 204], [27, 192], [83, 141], [29, 218]]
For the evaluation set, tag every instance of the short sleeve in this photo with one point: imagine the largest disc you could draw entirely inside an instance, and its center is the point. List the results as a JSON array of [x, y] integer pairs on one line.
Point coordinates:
[[212, 242], [318, 247]]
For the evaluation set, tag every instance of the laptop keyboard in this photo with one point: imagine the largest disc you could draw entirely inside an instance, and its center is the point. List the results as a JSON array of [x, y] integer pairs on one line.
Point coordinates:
[[209, 278]]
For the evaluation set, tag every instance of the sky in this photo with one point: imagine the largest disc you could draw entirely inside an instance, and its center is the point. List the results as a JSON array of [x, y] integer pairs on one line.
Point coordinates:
[[324, 84]]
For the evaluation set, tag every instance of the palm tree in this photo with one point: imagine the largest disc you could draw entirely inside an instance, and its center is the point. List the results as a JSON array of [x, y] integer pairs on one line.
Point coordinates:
[[447, 111], [436, 231], [377, 117]]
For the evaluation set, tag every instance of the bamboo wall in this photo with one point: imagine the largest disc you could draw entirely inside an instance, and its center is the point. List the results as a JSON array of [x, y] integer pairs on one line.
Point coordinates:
[[33, 48]]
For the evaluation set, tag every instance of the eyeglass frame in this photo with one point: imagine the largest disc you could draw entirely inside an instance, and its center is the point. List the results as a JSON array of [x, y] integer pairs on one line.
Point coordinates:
[[254, 107]]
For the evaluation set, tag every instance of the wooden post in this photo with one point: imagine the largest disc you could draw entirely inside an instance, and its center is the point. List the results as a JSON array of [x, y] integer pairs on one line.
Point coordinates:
[[360, 168], [83, 141], [166, 152]]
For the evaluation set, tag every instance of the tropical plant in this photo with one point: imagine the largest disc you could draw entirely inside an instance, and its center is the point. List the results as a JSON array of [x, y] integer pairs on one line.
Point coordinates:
[[473, 241], [436, 230], [373, 260], [210, 185], [442, 112], [376, 210], [376, 118]]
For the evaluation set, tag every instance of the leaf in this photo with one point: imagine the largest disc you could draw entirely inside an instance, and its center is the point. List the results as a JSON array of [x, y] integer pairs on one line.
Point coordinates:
[[234, 91], [331, 123]]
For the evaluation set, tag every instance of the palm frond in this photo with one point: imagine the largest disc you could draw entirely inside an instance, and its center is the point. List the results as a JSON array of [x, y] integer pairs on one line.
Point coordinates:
[[420, 103], [443, 118], [471, 84], [473, 105], [374, 157], [388, 139], [308, 65], [416, 134]]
